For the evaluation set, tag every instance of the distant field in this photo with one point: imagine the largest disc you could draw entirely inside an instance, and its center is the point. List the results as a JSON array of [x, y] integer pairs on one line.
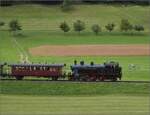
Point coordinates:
[[41, 26], [42, 17], [71, 105]]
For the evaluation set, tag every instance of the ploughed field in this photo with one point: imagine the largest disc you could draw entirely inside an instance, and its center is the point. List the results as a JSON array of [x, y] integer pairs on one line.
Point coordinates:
[[90, 50]]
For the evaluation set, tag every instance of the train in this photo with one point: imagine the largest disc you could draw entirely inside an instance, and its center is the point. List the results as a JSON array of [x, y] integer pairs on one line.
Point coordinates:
[[108, 71]]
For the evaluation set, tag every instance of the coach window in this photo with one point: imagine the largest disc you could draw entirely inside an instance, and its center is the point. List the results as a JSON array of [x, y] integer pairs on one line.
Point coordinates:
[[34, 68], [47, 69], [54, 69]]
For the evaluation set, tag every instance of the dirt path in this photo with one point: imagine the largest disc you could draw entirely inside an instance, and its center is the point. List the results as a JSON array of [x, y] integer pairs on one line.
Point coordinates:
[[90, 50]]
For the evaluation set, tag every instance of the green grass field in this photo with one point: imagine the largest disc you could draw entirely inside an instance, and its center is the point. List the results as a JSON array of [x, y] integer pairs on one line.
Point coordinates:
[[40, 25], [73, 88], [83, 105]]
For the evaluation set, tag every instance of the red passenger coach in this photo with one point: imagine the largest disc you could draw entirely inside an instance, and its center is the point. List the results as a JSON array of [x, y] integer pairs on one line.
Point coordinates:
[[53, 71]]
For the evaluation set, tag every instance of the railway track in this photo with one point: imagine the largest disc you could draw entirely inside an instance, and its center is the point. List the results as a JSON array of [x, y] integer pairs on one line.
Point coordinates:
[[41, 80]]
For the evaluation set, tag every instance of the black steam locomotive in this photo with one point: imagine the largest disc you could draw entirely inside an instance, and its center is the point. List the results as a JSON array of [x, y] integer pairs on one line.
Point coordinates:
[[110, 71]]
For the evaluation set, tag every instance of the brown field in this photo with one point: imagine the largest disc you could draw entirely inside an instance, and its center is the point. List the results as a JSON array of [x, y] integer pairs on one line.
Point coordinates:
[[90, 50]]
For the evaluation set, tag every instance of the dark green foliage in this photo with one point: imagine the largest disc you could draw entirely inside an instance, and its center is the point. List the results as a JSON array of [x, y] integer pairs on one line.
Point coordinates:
[[79, 26], [139, 28], [125, 25], [64, 27], [6, 2], [66, 5], [14, 25], [96, 28], [110, 27], [2, 23]]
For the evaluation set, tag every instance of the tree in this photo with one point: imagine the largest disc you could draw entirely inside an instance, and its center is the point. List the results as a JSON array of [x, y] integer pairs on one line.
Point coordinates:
[[66, 5], [64, 27], [14, 26], [96, 29], [79, 26], [110, 27], [6, 2], [138, 28], [125, 25], [2, 23]]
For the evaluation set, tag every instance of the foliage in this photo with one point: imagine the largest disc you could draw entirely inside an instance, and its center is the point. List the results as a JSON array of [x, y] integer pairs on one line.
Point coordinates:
[[2, 23], [125, 25], [79, 26], [64, 27], [66, 5], [96, 28], [139, 28], [110, 27], [14, 25]]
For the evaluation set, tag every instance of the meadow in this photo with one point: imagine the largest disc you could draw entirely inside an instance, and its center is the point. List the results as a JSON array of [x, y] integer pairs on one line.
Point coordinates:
[[40, 24], [87, 105]]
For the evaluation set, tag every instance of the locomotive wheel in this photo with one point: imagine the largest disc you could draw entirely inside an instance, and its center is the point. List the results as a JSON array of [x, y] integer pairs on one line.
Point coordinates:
[[54, 78], [19, 77], [114, 79], [101, 79]]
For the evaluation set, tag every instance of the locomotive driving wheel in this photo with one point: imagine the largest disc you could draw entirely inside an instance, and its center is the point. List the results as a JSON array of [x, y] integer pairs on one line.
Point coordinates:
[[54, 78], [19, 77]]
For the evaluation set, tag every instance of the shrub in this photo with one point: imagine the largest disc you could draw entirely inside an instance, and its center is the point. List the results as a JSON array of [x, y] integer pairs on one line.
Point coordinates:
[[14, 26], [110, 27], [64, 27], [138, 28], [96, 29], [79, 26], [66, 5], [2, 23], [125, 25]]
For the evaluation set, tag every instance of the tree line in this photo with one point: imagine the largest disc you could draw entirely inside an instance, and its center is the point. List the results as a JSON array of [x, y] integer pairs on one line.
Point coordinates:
[[53, 2], [79, 26]]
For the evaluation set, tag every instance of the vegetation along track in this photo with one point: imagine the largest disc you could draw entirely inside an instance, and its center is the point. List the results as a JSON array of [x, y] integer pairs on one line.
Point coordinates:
[[39, 80]]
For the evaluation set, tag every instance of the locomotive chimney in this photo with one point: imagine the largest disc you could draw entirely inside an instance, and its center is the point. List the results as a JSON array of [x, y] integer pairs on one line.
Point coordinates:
[[81, 62], [92, 63], [75, 62]]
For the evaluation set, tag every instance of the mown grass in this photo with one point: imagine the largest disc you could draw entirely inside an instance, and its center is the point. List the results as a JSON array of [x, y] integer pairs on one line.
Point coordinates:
[[80, 105], [72, 88]]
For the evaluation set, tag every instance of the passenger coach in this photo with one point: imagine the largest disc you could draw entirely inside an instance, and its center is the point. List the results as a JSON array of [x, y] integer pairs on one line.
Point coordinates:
[[19, 71]]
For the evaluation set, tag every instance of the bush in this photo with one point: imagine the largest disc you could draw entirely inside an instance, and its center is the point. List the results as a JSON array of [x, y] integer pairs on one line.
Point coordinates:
[[125, 25], [96, 29], [64, 27], [79, 26], [66, 5], [138, 28], [6, 2], [14, 26], [110, 27], [2, 23]]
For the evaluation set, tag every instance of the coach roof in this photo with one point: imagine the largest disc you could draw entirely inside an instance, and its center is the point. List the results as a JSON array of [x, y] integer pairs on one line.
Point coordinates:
[[38, 65]]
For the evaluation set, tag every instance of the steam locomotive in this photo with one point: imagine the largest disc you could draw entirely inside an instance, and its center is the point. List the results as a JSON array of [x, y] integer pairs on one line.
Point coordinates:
[[110, 71]]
